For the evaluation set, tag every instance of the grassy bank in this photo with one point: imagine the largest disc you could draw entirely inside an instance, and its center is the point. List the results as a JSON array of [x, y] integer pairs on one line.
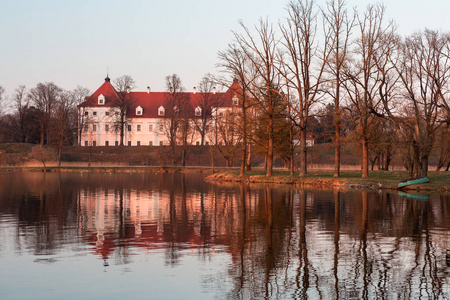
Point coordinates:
[[439, 181]]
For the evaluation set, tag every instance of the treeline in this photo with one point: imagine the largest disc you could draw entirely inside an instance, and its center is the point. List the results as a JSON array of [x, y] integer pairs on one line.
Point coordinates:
[[44, 115], [388, 92]]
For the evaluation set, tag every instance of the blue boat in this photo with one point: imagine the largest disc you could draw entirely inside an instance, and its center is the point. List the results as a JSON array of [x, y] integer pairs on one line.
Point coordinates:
[[412, 181]]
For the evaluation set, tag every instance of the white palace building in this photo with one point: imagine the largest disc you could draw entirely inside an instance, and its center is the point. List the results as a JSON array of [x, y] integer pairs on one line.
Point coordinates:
[[146, 118]]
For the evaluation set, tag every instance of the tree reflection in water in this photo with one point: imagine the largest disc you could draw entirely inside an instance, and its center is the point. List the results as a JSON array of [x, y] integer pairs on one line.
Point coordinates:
[[282, 242]]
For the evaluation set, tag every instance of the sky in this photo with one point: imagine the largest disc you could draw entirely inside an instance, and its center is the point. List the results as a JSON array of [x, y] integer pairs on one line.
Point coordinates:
[[76, 42]]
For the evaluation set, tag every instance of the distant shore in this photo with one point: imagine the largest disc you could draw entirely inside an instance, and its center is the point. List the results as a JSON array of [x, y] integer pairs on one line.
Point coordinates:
[[439, 181]]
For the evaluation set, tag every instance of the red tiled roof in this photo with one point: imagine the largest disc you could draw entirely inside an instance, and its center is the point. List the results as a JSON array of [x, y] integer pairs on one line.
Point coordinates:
[[150, 102], [107, 90]]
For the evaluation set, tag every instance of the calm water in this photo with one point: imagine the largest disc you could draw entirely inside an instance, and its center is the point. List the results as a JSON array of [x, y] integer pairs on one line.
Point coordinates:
[[172, 236]]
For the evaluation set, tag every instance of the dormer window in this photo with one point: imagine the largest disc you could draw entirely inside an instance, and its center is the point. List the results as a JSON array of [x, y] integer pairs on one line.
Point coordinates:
[[198, 111], [235, 100], [161, 111], [139, 111], [101, 100]]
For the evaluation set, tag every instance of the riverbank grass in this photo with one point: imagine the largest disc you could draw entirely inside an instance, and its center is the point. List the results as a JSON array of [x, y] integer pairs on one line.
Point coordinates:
[[439, 181]]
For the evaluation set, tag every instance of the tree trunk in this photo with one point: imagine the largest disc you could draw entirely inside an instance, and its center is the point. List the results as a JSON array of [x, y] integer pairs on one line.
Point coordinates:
[[365, 157], [248, 165], [59, 154], [303, 158], [183, 158], [122, 129], [212, 157], [424, 167], [337, 124], [270, 150], [416, 160], [244, 139]]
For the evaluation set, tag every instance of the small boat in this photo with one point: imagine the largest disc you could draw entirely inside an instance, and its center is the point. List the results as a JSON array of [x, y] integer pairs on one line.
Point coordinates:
[[412, 181]]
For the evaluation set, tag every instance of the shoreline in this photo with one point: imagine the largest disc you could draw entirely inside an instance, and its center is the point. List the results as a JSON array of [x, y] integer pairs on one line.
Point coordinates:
[[321, 181], [379, 180]]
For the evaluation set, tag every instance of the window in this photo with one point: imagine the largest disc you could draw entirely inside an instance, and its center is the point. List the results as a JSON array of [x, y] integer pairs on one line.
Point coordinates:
[[150, 143], [86, 113], [150, 128], [106, 127], [161, 111], [85, 127], [106, 143], [206, 143], [94, 127], [101, 100], [94, 143], [206, 128], [161, 127], [139, 111], [129, 143], [138, 128], [94, 113], [129, 127], [106, 113], [116, 143], [138, 143], [197, 143], [86, 143], [161, 143], [220, 114], [235, 100], [198, 111]]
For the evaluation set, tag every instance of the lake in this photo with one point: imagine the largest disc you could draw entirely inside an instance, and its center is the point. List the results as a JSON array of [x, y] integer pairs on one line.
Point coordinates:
[[174, 236]]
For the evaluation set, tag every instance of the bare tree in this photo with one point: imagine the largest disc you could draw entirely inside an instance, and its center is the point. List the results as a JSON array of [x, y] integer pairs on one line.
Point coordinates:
[[303, 61], [122, 102], [235, 62], [20, 105], [260, 51], [208, 99], [174, 106], [340, 26], [225, 137], [362, 76], [78, 95], [186, 130], [64, 123], [44, 96], [424, 72]]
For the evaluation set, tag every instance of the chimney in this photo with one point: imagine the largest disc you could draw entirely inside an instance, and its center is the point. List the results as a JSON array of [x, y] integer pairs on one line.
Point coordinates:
[[214, 90], [195, 90], [171, 89], [128, 89], [148, 90]]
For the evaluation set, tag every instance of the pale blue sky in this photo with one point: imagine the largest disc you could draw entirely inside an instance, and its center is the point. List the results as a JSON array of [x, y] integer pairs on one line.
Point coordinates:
[[73, 42]]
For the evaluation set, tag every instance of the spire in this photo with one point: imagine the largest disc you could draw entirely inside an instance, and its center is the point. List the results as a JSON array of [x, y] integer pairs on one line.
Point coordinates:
[[107, 74]]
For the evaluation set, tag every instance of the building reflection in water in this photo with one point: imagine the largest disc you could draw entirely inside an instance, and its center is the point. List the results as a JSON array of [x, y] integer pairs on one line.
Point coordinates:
[[283, 242]]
